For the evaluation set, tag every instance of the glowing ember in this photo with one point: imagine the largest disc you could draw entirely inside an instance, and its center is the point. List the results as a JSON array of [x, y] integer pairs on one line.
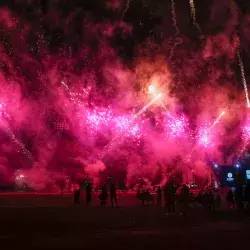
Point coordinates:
[[176, 126], [98, 119], [127, 126], [246, 130]]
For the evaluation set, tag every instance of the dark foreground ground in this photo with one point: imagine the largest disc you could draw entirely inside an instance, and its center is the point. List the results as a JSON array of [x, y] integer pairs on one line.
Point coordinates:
[[51, 222]]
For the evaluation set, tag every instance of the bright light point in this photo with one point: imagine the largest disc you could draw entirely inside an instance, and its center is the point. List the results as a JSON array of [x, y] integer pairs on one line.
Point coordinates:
[[152, 89], [216, 165], [237, 165]]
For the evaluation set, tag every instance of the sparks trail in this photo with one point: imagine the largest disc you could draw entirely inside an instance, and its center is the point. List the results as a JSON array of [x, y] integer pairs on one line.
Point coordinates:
[[4, 123], [218, 119], [126, 9], [147, 106], [19, 144], [193, 15], [177, 40], [243, 78], [140, 112], [204, 136]]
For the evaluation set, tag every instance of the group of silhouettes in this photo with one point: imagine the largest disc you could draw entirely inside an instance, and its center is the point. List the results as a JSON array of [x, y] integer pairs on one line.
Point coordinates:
[[240, 197], [103, 196], [169, 193], [171, 196], [206, 198]]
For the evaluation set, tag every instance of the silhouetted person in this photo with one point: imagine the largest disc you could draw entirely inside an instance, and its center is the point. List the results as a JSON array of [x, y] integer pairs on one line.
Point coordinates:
[[88, 192], [247, 195], [183, 199], [77, 195], [170, 196], [211, 201], [217, 201], [239, 196], [147, 196], [103, 196], [230, 198], [159, 196], [139, 195], [113, 196]]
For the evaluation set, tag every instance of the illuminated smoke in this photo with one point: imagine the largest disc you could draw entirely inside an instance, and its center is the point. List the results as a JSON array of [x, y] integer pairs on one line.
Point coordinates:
[[80, 101]]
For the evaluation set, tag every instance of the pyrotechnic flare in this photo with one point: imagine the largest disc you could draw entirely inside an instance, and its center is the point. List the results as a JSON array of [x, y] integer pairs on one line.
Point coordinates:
[[174, 17], [126, 9], [193, 15], [176, 126], [219, 118], [178, 41], [206, 133], [3, 116], [243, 78], [19, 144], [246, 130], [152, 89]]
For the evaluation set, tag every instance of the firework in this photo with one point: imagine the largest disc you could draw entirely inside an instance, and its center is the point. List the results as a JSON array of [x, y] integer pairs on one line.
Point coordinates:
[[193, 15], [178, 40], [98, 119], [243, 78], [176, 127], [246, 130], [126, 9], [219, 118], [127, 126], [208, 132]]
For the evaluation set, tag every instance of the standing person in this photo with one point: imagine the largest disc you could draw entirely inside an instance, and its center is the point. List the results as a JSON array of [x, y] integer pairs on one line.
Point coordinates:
[[230, 199], [88, 192], [211, 201], [77, 195], [103, 196], [217, 201], [169, 196], [239, 196], [159, 196], [247, 195], [113, 197], [184, 197]]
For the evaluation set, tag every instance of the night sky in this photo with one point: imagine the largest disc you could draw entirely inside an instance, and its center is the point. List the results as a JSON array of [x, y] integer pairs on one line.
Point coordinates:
[[75, 73]]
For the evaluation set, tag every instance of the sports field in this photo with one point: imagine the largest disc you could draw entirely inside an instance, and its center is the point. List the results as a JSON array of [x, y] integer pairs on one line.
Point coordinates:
[[50, 221]]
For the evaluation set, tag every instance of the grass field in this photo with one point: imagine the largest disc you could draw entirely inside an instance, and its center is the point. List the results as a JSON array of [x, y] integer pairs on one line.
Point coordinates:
[[44, 221]]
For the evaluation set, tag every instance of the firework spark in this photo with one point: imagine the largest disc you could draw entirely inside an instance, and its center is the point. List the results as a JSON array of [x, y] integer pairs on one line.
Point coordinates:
[[193, 15], [98, 119], [176, 127], [243, 78], [178, 40]]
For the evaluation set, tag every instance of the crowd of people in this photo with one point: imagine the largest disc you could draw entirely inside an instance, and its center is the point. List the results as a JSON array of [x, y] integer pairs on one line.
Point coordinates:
[[172, 196], [103, 196]]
